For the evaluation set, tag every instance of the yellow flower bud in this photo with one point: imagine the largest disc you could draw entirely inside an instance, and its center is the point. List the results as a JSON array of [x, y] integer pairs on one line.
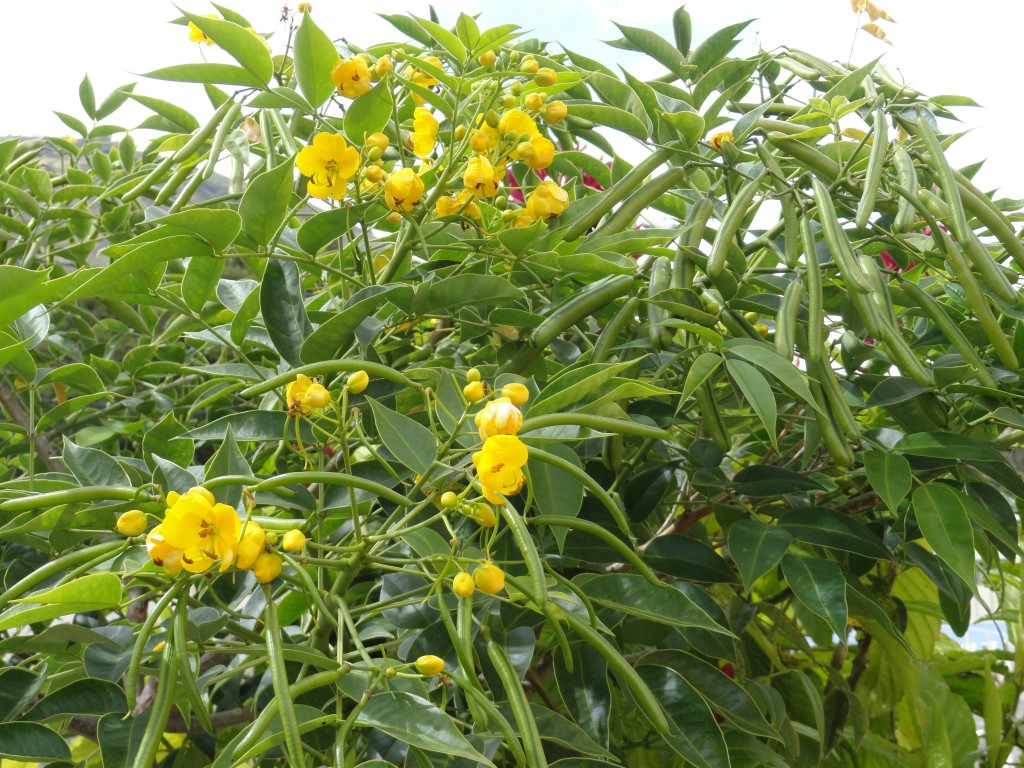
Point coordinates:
[[492, 118], [317, 395], [429, 665], [479, 141], [473, 374], [508, 101], [293, 541], [251, 545], [381, 68], [460, 132], [489, 578], [556, 112], [394, 217], [373, 174], [719, 138], [516, 88], [271, 537], [202, 493], [545, 77], [132, 523], [484, 514], [473, 391], [535, 100], [525, 150], [462, 584], [547, 200], [267, 567], [398, 54], [517, 393], [487, 58], [529, 66], [514, 57], [762, 329], [357, 382], [449, 500]]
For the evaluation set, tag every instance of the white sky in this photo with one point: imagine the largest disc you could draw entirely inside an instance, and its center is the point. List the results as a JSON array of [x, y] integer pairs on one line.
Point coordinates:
[[941, 46]]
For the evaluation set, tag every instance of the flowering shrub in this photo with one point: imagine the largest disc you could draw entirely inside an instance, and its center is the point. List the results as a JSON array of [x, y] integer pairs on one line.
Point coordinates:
[[439, 434]]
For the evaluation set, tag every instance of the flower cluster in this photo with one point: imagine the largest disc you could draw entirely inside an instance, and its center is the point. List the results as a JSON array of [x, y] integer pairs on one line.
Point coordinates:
[[197, 532], [500, 461], [304, 395]]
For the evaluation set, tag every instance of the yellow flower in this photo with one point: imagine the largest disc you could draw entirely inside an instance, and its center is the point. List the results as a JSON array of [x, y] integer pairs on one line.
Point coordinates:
[[251, 545], [424, 132], [162, 553], [329, 162], [403, 190], [473, 391], [293, 541], [719, 138], [547, 200], [429, 665], [499, 467], [196, 35], [517, 393], [545, 76], [520, 217], [456, 205], [305, 395], [487, 58], [489, 578], [305, 8], [462, 584], [352, 77], [422, 78], [357, 382], [201, 529], [481, 140], [132, 523], [534, 101], [381, 68], [518, 122], [267, 567], [499, 417], [481, 178], [556, 112], [540, 154], [449, 500]]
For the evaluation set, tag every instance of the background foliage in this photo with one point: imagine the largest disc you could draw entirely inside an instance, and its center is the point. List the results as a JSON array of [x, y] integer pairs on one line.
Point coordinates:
[[772, 427]]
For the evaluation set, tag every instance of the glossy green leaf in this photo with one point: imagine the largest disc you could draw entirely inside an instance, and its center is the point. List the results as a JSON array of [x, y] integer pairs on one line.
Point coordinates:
[[693, 732], [757, 392], [369, 114], [327, 226], [120, 738], [332, 338], [462, 291], [409, 441], [942, 516], [93, 592], [249, 426], [32, 742], [417, 722], [756, 547], [573, 386], [687, 558], [761, 480], [264, 205], [698, 373], [556, 492], [314, 58], [89, 698], [18, 687], [638, 597], [222, 74], [242, 45], [834, 530], [585, 690], [890, 476], [820, 586], [690, 125], [91, 466], [611, 117], [283, 310], [228, 461]]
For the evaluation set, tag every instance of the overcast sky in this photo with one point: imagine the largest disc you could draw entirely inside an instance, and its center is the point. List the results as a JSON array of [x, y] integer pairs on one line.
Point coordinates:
[[940, 46]]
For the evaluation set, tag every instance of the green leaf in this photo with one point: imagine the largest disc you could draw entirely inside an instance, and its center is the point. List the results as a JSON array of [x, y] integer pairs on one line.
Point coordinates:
[[444, 38], [706, 364], [264, 205], [761, 480], [942, 516], [91, 466], [638, 597], [284, 313], [574, 386], [657, 47], [314, 56], [199, 282], [560, 730], [756, 547], [222, 74], [943, 445], [693, 732], [89, 698], [889, 475], [94, 592], [585, 690], [238, 42], [556, 492], [464, 290], [723, 693], [687, 558], [409, 441], [217, 226], [17, 688], [334, 336], [768, 360], [120, 739], [248, 426], [820, 586], [368, 114], [31, 743], [690, 125], [87, 97], [327, 226], [711, 51], [834, 530], [612, 117], [183, 120], [758, 393], [165, 439], [227, 461], [417, 722]]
